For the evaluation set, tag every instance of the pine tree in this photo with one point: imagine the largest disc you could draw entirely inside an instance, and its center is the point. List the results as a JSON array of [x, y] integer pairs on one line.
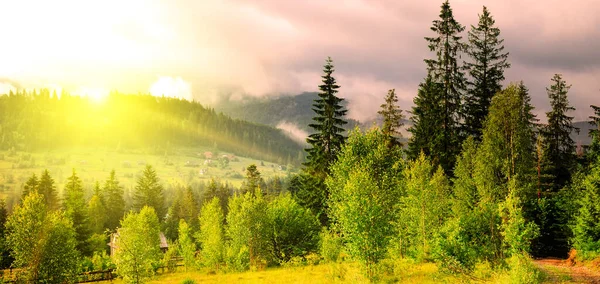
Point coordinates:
[[30, 186], [593, 152], [327, 140], [446, 71], [325, 144], [486, 69], [559, 148], [113, 199], [149, 192], [47, 188], [76, 210], [426, 121], [253, 180], [392, 118]]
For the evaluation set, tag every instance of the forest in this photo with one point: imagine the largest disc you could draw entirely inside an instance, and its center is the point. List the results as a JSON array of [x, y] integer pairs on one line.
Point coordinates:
[[480, 191]]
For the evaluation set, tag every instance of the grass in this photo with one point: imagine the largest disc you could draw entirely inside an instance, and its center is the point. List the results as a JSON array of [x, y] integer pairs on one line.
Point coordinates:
[[313, 274], [93, 164]]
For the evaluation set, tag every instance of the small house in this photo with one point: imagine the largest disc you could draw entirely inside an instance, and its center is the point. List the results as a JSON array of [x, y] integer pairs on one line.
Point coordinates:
[[114, 238]]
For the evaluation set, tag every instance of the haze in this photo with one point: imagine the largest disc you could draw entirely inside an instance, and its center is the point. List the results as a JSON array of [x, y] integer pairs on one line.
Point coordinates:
[[215, 50]]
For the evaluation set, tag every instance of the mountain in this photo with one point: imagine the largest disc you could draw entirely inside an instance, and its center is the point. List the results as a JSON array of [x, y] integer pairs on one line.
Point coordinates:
[[583, 137], [38, 121], [275, 111]]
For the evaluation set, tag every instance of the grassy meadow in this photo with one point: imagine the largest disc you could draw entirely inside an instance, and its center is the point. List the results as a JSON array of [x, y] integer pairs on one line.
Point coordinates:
[[181, 166]]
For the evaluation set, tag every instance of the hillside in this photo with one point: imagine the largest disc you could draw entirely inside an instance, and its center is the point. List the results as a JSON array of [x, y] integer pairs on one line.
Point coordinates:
[[41, 121], [273, 111]]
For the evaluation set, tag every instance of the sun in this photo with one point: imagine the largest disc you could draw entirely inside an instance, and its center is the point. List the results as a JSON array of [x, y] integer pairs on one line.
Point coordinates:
[[94, 94]]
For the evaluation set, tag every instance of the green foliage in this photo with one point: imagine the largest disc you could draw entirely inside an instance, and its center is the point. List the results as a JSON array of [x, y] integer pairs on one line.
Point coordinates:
[[96, 212], [559, 147], [593, 151], [188, 281], [47, 189], [392, 118], [507, 146], [217, 189], [183, 207], [325, 142], [365, 187], [149, 192], [488, 61], [331, 246], [294, 230], [187, 247], [586, 227], [424, 208], [211, 235], [311, 192], [516, 230], [327, 139], [113, 201], [75, 209], [43, 243], [138, 246], [247, 232], [523, 270], [253, 180], [443, 94]]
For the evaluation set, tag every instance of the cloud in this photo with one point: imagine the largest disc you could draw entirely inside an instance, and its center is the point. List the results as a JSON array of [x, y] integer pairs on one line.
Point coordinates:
[[238, 48], [293, 131], [172, 87]]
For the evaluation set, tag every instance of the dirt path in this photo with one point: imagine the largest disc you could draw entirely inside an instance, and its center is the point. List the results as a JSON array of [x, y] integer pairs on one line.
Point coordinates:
[[559, 271]]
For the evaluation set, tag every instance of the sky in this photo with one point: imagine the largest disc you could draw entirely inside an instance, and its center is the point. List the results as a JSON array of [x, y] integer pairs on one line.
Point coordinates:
[[215, 50]]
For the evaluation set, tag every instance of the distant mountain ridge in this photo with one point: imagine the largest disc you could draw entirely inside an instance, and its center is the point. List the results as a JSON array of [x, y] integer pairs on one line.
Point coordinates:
[[275, 110]]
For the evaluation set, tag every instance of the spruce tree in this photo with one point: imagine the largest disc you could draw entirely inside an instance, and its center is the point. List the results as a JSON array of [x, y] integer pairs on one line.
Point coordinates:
[[593, 152], [149, 192], [486, 69], [76, 210], [325, 143], [392, 118], [446, 71], [327, 139], [30, 186], [559, 148], [47, 188], [113, 199], [426, 122]]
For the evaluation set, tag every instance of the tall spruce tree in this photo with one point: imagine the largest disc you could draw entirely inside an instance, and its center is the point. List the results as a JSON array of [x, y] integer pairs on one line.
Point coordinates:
[[113, 200], [327, 139], [392, 118], [149, 192], [76, 210], [426, 121], [446, 70], [593, 152], [559, 148], [325, 143], [47, 188], [486, 69]]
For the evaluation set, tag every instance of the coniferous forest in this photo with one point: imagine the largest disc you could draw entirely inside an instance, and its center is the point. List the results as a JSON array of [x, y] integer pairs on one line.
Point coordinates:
[[485, 189]]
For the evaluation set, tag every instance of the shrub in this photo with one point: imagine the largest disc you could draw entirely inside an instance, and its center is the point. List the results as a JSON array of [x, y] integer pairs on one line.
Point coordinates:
[[522, 270], [331, 246], [294, 230]]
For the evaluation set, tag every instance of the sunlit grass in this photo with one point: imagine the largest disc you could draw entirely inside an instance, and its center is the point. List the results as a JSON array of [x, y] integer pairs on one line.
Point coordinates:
[[93, 164], [313, 274]]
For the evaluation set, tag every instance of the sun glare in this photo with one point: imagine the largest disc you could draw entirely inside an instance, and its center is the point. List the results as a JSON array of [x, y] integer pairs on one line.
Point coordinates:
[[96, 95]]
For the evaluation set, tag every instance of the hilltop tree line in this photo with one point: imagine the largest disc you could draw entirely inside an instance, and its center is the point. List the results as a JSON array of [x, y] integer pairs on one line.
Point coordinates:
[[40, 120], [480, 183]]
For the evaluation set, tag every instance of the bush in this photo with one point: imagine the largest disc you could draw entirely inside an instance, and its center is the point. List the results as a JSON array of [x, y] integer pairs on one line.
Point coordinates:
[[522, 270], [331, 246], [294, 230], [188, 281]]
